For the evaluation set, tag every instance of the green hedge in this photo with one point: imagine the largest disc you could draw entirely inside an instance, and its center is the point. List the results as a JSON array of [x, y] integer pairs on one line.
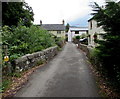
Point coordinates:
[[22, 40]]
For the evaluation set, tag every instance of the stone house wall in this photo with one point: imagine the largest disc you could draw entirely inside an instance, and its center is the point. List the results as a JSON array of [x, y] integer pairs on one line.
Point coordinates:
[[61, 34]]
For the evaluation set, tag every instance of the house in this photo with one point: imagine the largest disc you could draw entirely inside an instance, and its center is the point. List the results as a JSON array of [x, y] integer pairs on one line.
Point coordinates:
[[94, 32], [56, 29], [76, 31]]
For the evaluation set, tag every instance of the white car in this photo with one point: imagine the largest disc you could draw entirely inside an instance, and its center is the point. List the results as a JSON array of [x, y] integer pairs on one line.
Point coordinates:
[[84, 39]]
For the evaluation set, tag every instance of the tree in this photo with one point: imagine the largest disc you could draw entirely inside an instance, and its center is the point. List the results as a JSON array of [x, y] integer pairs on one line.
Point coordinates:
[[27, 15], [67, 27], [14, 12], [109, 48]]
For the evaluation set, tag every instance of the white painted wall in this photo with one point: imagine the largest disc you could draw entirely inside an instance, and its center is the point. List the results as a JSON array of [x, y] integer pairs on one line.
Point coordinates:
[[71, 32], [69, 36]]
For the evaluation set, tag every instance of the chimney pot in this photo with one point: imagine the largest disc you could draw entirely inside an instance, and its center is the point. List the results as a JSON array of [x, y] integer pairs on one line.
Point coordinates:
[[40, 22], [63, 22]]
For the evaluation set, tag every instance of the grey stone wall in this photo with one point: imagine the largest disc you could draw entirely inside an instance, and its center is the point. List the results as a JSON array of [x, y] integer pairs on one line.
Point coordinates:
[[89, 53], [86, 49], [28, 61]]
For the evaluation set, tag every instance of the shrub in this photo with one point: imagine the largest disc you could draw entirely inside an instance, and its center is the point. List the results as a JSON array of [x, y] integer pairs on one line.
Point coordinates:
[[59, 41], [77, 37], [109, 48], [23, 40]]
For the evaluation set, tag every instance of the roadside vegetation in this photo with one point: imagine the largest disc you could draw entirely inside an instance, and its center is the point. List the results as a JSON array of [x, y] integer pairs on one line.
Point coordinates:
[[21, 37], [22, 40], [107, 53]]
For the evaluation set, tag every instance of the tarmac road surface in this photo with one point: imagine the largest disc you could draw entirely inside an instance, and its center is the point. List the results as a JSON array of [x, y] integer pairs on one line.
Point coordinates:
[[67, 75]]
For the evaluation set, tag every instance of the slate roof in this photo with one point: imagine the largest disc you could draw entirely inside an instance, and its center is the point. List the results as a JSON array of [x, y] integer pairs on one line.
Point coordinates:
[[91, 18], [53, 27], [74, 28]]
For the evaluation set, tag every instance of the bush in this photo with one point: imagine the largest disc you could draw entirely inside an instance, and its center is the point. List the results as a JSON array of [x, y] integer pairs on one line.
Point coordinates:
[[59, 41], [23, 40], [109, 48], [77, 37]]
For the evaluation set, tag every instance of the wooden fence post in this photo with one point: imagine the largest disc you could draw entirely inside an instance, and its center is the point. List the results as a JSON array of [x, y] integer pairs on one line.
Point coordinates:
[[6, 58]]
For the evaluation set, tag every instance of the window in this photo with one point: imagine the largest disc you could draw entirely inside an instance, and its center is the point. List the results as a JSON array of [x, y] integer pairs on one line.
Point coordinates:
[[59, 32], [90, 24], [76, 32]]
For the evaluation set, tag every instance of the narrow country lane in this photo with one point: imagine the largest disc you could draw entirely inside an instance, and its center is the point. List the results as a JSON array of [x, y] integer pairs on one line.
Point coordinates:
[[67, 75]]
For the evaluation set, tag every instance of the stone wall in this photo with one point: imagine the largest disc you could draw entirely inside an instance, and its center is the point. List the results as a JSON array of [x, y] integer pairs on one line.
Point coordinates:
[[89, 53], [61, 43], [30, 60], [86, 49]]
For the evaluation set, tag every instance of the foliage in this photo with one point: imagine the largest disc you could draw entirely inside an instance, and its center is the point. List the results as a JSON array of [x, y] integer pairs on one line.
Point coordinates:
[[94, 58], [95, 38], [59, 41], [109, 48], [66, 38], [14, 56], [16, 74], [77, 37], [40, 62], [5, 84], [23, 40], [67, 27], [13, 12], [83, 35]]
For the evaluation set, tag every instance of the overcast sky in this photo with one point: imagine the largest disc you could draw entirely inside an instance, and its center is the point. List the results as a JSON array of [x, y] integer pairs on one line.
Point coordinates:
[[74, 12]]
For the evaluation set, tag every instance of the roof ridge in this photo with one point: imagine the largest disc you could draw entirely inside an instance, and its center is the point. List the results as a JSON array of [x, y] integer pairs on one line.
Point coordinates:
[[52, 24], [79, 27]]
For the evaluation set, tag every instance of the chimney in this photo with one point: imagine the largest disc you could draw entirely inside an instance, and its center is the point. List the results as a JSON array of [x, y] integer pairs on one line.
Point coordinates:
[[40, 22], [63, 22]]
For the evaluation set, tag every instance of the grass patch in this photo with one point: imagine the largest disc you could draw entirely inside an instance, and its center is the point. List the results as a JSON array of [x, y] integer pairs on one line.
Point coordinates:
[[59, 49], [40, 62], [5, 84], [16, 75]]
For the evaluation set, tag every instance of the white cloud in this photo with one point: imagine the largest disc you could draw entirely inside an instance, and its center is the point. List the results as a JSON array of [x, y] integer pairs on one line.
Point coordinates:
[[54, 11]]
